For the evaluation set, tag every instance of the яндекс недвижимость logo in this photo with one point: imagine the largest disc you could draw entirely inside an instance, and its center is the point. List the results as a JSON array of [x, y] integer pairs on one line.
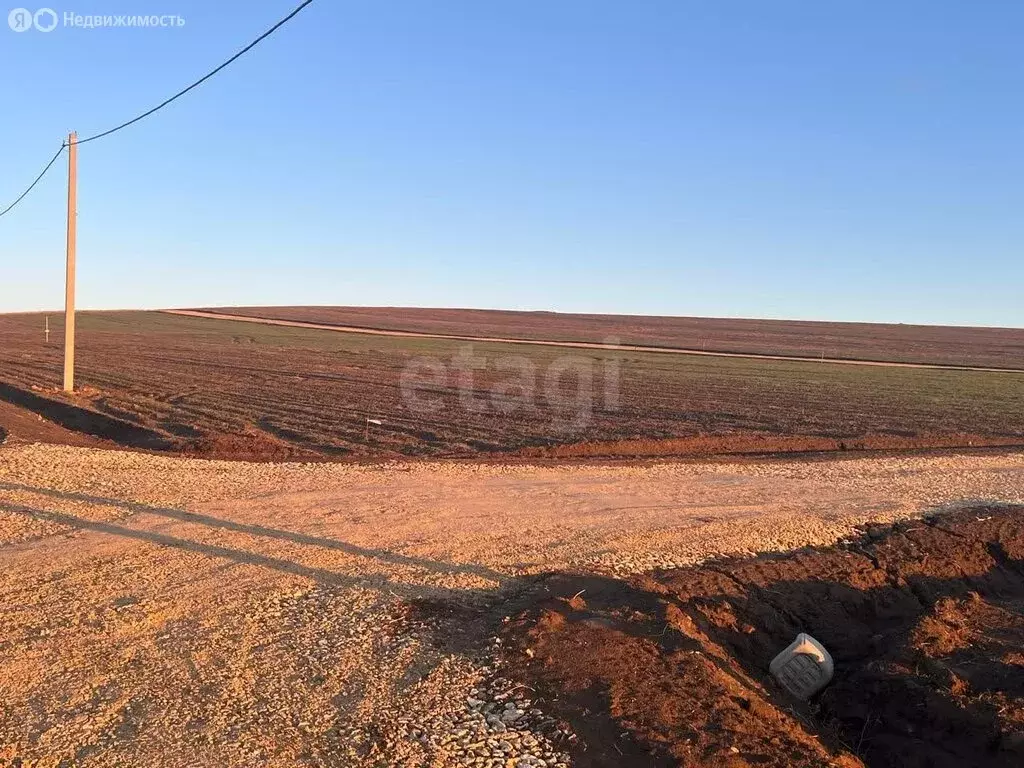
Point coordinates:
[[22, 20], [47, 20]]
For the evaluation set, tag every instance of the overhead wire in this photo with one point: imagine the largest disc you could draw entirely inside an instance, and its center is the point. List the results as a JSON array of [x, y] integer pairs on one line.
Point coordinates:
[[203, 79], [38, 178], [162, 104]]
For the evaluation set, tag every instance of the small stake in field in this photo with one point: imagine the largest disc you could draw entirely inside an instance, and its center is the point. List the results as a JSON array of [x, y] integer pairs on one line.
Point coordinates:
[[369, 421], [46, 329]]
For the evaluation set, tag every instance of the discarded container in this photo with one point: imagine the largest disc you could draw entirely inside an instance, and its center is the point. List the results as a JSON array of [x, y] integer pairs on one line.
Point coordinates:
[[804, 668]]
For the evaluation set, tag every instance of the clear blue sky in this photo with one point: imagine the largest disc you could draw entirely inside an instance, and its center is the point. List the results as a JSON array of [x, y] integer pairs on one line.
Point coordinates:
[[834, 160]]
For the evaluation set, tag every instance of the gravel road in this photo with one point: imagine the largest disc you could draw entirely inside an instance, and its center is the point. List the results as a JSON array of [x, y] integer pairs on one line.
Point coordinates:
[[173, 612]]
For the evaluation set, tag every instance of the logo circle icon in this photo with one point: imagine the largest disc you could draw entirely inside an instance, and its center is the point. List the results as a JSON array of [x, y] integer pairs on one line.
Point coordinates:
[[20, 19], [45, 19]]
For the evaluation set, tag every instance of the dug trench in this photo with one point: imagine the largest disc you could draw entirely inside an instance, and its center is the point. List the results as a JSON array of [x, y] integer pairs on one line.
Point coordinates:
[[924, 619]]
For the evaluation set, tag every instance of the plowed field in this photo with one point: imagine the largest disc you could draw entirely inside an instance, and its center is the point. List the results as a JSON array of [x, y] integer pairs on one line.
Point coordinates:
[[245, 390]]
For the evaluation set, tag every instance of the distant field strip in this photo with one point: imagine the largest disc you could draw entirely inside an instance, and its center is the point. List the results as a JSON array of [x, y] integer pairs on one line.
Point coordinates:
[[577, 344]]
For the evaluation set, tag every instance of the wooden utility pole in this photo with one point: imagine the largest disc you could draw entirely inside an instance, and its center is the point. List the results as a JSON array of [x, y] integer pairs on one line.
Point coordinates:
[[69, 286]]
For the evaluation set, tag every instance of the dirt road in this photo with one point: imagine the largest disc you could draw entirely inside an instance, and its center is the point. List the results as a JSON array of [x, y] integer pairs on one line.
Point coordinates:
[[183, 612], [576, 344]]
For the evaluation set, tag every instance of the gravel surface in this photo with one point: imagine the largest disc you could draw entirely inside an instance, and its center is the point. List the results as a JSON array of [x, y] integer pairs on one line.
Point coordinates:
[[164, 611]]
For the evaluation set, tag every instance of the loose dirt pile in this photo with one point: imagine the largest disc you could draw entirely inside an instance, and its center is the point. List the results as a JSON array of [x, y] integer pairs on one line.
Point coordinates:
[[925, 622], [19, 424]]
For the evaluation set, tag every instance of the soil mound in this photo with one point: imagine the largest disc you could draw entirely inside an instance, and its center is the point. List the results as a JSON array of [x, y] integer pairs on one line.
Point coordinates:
[[925, 622], [249, 446], [759, 444], [21, 425], [76, 419]]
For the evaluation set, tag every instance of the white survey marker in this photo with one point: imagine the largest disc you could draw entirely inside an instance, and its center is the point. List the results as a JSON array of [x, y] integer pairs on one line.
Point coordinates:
[[804, 668]]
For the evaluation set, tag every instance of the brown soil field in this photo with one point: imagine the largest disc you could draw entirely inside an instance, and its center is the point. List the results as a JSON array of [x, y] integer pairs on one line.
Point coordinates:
[[925, 622], [232, 389], [935, 345]]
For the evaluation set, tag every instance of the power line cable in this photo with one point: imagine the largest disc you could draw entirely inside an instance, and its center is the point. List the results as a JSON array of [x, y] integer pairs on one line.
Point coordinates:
[[204, 78], [38, 179], [163, 104]]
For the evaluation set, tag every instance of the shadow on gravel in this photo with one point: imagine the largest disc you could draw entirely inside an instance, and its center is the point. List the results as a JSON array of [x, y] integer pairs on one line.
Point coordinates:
[[924, 619], [83, 420], [319, 575], [444, 619]]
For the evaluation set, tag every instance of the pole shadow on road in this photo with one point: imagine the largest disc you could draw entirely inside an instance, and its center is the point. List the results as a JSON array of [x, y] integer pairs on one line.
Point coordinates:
[[320, 575]]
